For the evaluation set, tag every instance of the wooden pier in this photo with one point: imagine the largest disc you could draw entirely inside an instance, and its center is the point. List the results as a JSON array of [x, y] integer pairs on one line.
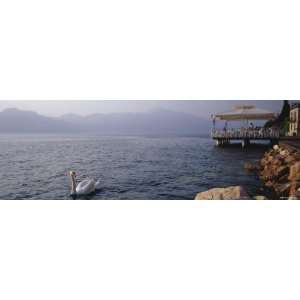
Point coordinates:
[[224, 138]]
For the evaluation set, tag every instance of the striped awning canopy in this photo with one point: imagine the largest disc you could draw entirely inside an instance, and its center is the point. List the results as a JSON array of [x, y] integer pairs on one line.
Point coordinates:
[[246, 112]]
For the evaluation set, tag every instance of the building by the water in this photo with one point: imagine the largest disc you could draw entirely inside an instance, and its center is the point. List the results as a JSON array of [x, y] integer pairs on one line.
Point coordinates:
[[294, 128]]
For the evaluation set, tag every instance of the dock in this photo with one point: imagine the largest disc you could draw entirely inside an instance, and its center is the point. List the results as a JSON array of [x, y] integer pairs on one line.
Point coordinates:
[[223, 137], [248, 132], [272, 136]]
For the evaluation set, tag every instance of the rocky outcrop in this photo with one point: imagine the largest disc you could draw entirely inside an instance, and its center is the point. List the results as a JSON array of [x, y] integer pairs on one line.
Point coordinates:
[[229, 193], [280, 171]]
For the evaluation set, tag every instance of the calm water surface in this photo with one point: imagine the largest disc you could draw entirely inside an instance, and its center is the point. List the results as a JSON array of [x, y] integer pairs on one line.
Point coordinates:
[[36, 167]]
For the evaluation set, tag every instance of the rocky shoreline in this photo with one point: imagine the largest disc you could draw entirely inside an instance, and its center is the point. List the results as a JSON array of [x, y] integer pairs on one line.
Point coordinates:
[[279, 172]]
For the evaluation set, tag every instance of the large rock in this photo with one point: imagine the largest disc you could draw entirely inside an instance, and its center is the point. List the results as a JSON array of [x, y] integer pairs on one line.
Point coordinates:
[[282, 189], [290, 159], [229, 193], [260, 197], [281, 171], [295, 172]]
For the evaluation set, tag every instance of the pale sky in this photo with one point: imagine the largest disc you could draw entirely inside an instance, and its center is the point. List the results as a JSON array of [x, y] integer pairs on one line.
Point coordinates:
[[200, 108]]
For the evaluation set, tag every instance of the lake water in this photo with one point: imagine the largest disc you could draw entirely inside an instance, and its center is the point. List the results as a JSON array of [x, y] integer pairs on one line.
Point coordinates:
[[36, 167]]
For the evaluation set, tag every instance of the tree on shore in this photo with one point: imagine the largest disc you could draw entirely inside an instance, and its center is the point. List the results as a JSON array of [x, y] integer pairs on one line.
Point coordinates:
[[282, 121]]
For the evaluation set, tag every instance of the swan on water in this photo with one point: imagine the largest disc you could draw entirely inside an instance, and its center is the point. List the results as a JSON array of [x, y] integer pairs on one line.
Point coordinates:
[[85, 187]]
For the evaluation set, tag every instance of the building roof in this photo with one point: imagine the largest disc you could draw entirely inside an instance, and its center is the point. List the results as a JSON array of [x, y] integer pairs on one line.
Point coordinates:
[[246, 112], [295, 105]]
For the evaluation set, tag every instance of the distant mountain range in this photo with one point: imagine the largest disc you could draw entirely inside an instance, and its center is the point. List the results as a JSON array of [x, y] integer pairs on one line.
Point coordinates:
[[160, 122]]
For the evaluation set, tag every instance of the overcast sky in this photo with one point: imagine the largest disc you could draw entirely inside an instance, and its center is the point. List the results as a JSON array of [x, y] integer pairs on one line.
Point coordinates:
[[200, 108]]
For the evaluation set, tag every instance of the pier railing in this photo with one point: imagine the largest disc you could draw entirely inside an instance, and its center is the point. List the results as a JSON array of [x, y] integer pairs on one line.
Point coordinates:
[[263, 133]]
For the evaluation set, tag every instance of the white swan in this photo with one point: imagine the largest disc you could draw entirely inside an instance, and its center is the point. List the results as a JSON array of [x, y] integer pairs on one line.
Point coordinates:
[[85, 187]]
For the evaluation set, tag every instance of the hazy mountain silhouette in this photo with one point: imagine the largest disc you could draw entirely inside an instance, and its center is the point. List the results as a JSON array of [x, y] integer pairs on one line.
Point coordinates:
[[159, 122], [19, 121]]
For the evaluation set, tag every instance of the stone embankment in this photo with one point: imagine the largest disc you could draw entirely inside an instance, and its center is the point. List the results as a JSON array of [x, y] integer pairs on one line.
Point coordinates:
[[279, 170]]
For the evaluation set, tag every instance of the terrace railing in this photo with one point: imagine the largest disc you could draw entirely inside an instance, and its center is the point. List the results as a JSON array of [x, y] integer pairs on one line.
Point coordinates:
[[262, 133]]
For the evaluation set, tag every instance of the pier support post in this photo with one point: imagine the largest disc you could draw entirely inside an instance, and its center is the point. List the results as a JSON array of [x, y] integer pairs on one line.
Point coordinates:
[[222, 142], [219, 142], [245, 143]]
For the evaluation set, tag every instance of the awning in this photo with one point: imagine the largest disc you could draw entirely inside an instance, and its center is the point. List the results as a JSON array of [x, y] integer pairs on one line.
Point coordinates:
[[246, 112]]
